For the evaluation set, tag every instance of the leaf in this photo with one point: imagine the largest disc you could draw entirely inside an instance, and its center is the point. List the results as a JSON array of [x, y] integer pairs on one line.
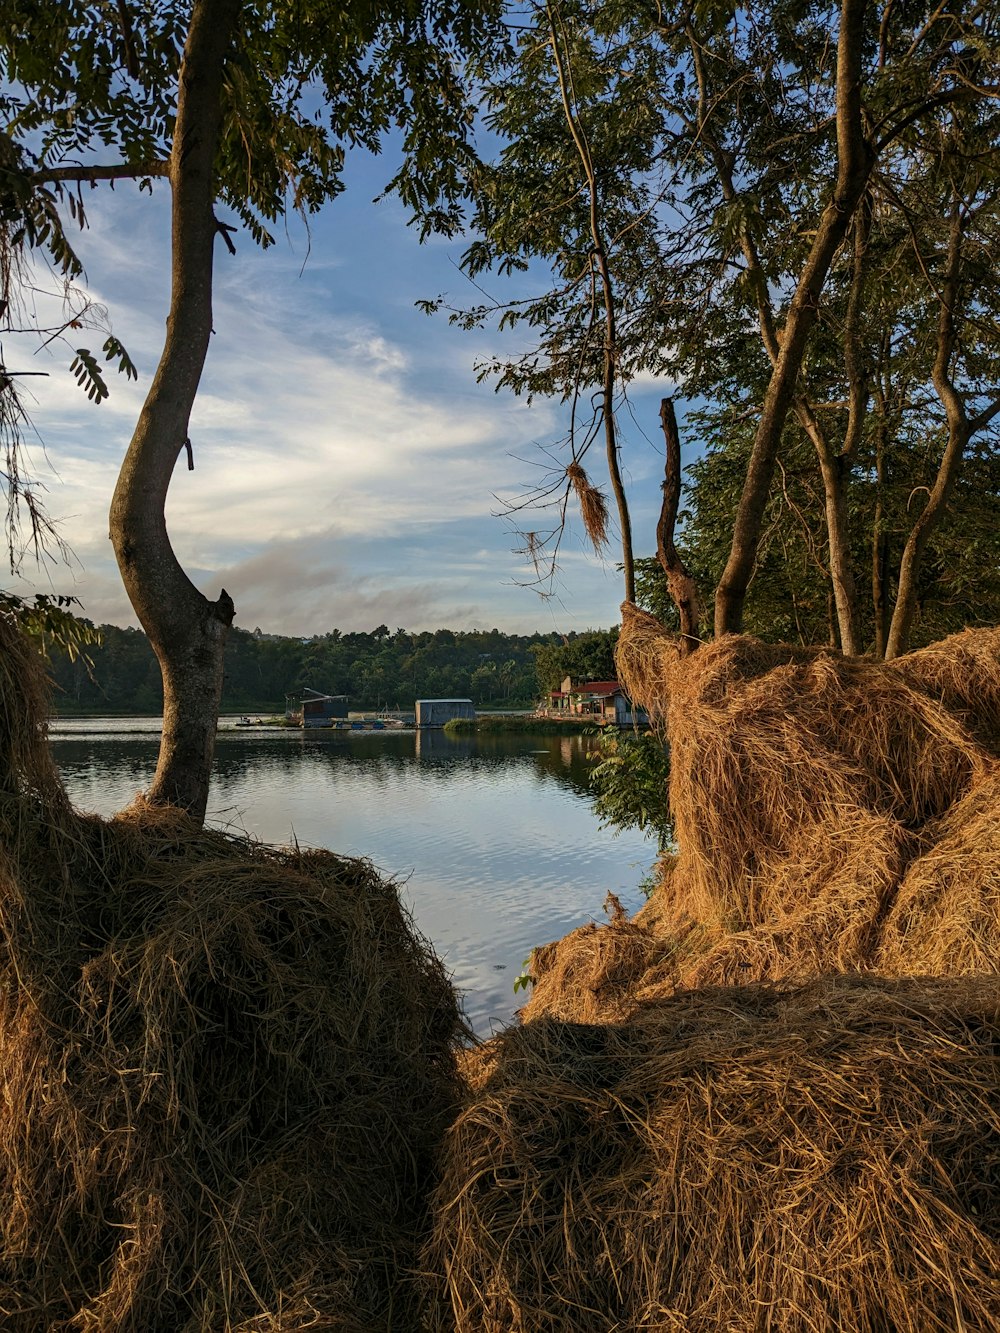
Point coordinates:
[[51, 624], [114, 351], [87, 373]]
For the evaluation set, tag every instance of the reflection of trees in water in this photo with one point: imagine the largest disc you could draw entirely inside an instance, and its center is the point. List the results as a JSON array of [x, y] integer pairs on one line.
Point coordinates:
[[297, 755], [119, 760], [560, 759], [128, 763]]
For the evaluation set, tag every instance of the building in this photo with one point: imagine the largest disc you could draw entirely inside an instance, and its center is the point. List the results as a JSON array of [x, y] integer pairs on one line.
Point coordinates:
[[603, 701], [319, 710], [436, 712]]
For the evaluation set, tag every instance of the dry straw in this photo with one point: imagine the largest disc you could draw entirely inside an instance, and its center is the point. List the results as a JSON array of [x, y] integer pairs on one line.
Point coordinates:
[[226, 1070], [652, 1151], [830, 813], [740, 1160], [593, 506]]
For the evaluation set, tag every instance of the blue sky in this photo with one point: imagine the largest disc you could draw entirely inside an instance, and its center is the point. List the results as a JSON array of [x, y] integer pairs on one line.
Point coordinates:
[[346, 462]]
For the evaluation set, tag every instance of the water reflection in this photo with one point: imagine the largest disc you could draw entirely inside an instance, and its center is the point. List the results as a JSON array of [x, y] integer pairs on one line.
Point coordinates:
[[494, 836]]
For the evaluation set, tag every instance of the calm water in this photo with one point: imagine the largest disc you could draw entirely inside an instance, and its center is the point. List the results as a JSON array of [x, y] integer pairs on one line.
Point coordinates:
[[492, 838]]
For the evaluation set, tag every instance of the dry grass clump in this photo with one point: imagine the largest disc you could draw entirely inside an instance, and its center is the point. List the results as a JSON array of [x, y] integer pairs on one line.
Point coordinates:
[[593, 506], [654, 1152], [25, 760], [963, 672], [776, 752], [739, 1160], [225, 1073], [831, 814], [600, 972], [946, 914]]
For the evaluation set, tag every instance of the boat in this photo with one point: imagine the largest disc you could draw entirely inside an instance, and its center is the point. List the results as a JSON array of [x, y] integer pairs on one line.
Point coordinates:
[[389, 718]]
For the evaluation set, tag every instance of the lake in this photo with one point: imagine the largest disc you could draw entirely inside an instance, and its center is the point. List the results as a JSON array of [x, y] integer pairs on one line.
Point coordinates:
[[491, 838]]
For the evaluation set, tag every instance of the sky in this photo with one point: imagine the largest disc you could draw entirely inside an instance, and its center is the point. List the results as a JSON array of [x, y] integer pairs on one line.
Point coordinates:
[[349, 470]]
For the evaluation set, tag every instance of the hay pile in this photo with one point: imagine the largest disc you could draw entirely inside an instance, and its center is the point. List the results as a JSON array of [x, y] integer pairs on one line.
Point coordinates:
[[655, 1150], [225, 1070], [831, 814], [739, 1160]]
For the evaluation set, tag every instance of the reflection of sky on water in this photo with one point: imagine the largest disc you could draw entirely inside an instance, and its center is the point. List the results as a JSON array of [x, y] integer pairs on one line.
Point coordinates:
[[493, 836]]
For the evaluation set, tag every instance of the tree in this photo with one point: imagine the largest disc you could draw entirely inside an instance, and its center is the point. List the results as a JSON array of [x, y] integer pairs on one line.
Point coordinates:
[[217, 97], [186, 629], [790, 597], [629, 784], [483, 682], [589, 656], [743, 174]]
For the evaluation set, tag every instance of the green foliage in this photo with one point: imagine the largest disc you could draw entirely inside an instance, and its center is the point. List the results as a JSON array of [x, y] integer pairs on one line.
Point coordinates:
[[53, 627], [114, 351], [629, 784], [524, 979], [87, 373], [304, 83], [373, 669], [714, 146], [588, 656], [789, 599]]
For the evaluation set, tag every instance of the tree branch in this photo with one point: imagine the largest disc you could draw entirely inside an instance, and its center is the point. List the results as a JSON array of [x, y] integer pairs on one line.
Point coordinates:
[[119, 172], [599, 260], [854, 165]]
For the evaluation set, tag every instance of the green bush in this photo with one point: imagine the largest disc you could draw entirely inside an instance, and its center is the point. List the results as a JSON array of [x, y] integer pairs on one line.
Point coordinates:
[[629, 784]]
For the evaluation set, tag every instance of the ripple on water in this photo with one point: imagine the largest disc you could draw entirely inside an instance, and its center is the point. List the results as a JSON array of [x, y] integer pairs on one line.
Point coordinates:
[[496, 851]]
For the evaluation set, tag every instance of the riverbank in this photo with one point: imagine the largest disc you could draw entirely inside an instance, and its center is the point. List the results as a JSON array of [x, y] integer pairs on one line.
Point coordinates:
[[523, 723]]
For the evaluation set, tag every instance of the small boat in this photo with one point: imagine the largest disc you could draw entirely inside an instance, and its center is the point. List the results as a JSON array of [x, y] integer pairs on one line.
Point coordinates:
[[244, 722], [389, 718]]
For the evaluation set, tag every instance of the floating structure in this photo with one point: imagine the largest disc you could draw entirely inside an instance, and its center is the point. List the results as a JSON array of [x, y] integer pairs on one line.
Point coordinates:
[[436, 712], [315, 709]]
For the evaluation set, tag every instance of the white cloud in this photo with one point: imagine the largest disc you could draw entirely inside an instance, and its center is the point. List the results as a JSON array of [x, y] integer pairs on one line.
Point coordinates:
[[345, 460]]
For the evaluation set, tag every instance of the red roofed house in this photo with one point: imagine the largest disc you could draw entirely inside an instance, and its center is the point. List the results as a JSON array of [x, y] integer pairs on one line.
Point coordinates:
[[602, 700]]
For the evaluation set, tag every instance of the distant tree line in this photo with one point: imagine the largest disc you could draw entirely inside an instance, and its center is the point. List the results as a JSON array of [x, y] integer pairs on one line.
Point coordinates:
[[375, 669]]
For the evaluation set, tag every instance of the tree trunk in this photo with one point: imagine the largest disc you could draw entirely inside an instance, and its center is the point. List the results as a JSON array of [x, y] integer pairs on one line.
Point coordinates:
[[960, 430], [880, 539], [855, 160], [916, 544], [834, 468], [680, 584], [880, 587], [845, 599], [187, 631]]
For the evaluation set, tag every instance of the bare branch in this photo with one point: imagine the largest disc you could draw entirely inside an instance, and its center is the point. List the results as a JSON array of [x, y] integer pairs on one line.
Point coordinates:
[[117, 172], [680, 584], [557, 39]]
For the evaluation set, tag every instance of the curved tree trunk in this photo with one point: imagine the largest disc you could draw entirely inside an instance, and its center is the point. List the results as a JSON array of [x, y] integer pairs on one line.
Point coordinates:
[[961, 429], [187, 631], [680, 584]]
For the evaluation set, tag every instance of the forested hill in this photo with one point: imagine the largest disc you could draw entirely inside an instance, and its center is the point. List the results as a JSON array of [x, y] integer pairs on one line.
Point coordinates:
[[376, 669]]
